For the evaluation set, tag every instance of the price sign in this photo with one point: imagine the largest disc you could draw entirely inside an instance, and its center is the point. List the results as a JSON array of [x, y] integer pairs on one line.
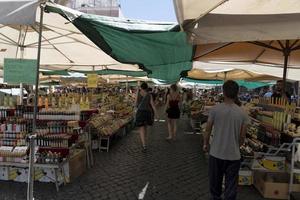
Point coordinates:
[[92, 80], [18, 71]]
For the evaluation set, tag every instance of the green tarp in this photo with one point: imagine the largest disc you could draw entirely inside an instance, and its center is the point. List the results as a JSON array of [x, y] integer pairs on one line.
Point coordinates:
[[55, 72], [159, 48], [99, 72], [116, 72], [133, 83], [242, 83], [253, 85], [52, 83]]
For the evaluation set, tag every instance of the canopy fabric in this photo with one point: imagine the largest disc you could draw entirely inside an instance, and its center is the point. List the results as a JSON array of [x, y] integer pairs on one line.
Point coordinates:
[[248, 52], [237, 21], [50, 83], [55, 72], [252, 32], [18, 12], [99, 72], [125, 79], [253, 85], [156, 47], [242, 83], [274, 71], [258, 7], [233, 74], [224, 28], [193, 9], [251, 20], [63, 46], [199, 81], [117, 72]]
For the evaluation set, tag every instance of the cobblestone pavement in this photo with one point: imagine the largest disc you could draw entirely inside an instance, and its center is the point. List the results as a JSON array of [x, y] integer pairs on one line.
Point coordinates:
[[174, 170]]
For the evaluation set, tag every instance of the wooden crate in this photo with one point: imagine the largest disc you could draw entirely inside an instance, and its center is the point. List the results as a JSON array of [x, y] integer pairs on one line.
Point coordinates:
[[77, 164]]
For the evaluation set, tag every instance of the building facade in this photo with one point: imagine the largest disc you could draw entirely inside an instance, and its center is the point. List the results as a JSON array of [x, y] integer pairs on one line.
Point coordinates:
[[97, 7]]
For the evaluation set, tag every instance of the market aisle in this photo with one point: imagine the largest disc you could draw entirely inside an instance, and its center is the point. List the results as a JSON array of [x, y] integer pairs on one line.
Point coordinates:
[[174, 171]]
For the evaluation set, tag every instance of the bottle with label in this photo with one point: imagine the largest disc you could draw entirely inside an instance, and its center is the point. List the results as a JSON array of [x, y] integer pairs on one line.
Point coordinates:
[[19, 101], [5, 101], [59, 101], [46, 103], [53, 102], [40, 101], [66, 105], [1, 100], [11, 101], [82, 103], [87, 103]]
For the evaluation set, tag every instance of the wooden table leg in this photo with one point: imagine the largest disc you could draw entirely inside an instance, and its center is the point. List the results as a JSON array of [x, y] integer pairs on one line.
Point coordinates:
[[56, 179]]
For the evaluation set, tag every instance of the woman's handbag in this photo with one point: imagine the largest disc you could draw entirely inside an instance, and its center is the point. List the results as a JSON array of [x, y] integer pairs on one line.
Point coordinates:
[[136, 110]]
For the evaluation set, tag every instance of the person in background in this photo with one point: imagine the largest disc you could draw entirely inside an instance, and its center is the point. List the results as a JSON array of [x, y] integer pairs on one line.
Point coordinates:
[[167, 92], [269, 93], [173, 111], [153, 94], [229, 123], [145, 112], [184, 101], [278, 90]]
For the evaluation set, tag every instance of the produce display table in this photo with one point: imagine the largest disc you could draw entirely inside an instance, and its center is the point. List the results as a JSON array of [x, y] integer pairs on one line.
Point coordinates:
[[58, 168], [198, 113], [104, 141]]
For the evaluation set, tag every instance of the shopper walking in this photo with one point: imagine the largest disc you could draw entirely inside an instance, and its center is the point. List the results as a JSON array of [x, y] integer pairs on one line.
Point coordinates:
[[145, 112], [173, 111], [229, 123]]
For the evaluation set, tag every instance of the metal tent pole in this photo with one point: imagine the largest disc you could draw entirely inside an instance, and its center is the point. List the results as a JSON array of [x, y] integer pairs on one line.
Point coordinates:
[[286, 54], [225, 76], [21, 93], [126, 85], [32, 138]]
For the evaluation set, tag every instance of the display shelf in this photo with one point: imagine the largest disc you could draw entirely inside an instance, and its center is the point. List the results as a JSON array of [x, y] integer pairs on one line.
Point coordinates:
[[271, 107], [250, 136], [56, 167], [26, 165], [296, 171], [296, 121]]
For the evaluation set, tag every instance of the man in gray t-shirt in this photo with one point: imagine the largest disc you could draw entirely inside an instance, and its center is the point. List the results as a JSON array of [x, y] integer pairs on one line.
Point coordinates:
[[229, 124]]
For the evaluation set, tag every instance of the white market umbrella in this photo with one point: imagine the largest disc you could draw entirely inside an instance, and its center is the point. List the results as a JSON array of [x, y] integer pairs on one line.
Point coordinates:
[[191, 10], [18, 11], [266, 70], [229, 74], [252, 32], [63, 46]]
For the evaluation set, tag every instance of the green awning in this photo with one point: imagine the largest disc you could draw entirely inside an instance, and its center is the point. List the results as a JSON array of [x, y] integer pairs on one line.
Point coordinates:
[[116, 72], [159, 48], [133, 83], [209, 82], [242, 83], [55, 72], [51, 83], [253, 85]]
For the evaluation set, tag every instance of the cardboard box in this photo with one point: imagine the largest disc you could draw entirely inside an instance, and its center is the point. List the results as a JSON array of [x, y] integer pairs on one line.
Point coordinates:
[[18, 174], [273, 185], [4, 173], [77, 164], [269, 163], [245, 177]]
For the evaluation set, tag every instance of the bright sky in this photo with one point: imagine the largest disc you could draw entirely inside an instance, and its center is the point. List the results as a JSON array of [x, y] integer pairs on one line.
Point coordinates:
[[157, 10]]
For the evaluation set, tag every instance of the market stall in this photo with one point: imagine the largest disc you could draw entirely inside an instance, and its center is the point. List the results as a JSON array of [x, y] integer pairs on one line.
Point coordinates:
[[69, 122], [253, 35]]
